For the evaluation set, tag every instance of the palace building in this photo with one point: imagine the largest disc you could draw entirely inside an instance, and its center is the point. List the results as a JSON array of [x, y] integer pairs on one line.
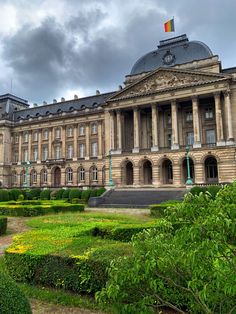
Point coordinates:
[[176, 96]]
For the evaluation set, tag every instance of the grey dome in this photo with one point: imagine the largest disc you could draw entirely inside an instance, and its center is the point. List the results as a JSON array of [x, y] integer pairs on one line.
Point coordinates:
[[176, 50]]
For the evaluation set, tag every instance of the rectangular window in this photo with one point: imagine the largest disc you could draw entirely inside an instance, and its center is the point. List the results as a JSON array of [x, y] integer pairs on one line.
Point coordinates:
[[45, 134], [190, 138], [169, 140], [81, 150], [210, 137], [26, 137], [70, 151], [81, 130], [189, 116], [94, 128], [16, 156], [16, 138], [57, 152], [45, 152], [168, 118], [35, 136], [25, 154], [94, 149], [58, 133], [69, 132], [35, 154], [209, 113]]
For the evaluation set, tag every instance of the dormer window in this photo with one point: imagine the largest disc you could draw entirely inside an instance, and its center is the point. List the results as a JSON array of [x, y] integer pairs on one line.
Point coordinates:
[[59, 110], [47, 113]]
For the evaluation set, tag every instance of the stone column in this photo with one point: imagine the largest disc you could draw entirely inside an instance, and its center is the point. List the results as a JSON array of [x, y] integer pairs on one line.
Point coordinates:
[[30, 146], [196, 123], [230, 137], [99, 139], [136, 178], [174, 121], [63, 140], [87, 142], [156, 176], [20, 145], [136, 130], [176, 168], [39, 146], [50, 130], [75, 148], [219, 123], [112, 130], [154, 147], [119, 132]]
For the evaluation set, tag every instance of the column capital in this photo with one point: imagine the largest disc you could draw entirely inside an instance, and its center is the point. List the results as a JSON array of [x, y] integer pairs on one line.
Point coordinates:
[[216, 94], [227, 93], [195, 98], [173, 101], [135, 108]]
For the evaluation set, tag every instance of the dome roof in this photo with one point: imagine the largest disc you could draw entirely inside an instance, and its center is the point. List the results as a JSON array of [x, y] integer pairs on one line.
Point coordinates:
[[176, 50]]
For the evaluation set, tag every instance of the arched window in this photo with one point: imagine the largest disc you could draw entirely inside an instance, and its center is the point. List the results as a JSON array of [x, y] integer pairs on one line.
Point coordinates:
[[44, 176], [69, 175], [94, 128], [14, 178], [81, 175], [211, 170], [94, 174], [33, 177]]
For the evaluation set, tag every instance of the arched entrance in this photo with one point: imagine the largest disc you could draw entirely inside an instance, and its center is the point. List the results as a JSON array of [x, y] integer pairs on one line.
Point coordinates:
[[167, 172], [185, 171], [147, 172], [211, 170], [129, 173], [57, 176]]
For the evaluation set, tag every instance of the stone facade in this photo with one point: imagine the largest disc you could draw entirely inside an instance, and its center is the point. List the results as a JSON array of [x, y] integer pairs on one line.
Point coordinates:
[[143, 130]]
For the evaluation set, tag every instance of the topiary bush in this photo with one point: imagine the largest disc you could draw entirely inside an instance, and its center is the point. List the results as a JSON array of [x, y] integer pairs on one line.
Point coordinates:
[[213, 190], [21, 197], [74, 193], [4, 195], [14, 194], [3, 225], [45, 194], [12, 299], [196, 190], [35, 193], [59, 194], [86, 195], [65, 194]]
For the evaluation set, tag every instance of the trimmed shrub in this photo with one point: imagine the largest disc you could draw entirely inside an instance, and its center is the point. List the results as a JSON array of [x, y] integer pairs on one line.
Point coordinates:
[[86, 194], [3, 225], [35, 193], [12, 299], [21, 197], [65, 194], [100, 191], [75, 201], [74, 193], [4, 195], [59, 193], [196, 190], [14, 194], [213, 190], [45, 194]]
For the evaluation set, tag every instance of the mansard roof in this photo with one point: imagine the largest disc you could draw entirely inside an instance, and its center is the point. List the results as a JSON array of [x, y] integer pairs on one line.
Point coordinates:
[[90, 102]]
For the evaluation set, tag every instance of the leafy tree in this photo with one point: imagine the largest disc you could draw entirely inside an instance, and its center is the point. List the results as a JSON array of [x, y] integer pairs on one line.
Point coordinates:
[[188, 263]]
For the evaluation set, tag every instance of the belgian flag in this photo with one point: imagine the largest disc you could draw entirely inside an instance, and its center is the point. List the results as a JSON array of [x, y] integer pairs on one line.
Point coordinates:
[[169, 26]]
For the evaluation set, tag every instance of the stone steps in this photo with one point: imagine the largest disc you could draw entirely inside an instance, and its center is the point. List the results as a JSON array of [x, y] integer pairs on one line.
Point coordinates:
[[139, 198]]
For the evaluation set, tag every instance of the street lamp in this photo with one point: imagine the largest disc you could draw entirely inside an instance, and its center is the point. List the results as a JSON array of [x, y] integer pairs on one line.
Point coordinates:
[[189, 180], [110, 170], [27, 164]]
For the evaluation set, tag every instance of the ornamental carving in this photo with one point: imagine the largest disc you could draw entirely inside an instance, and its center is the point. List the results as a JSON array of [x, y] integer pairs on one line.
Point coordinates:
[[164, 80]]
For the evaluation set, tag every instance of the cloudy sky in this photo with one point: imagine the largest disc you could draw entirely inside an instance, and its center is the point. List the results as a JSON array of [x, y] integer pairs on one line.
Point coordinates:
[[58, 48]]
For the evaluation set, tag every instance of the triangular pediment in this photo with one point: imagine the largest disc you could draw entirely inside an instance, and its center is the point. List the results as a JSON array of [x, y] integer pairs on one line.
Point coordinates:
[[164, 79]]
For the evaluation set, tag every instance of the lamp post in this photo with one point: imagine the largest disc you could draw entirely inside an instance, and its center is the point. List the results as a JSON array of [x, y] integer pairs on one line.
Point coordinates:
[[110, 170], [27, 164], [189, 180]]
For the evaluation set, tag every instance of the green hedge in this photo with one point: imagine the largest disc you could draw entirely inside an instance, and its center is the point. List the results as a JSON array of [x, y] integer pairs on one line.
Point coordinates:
[[157, 210], [45, 194], [12, 299], [86, 273], [36, 210], [3, 225], [74, 193]]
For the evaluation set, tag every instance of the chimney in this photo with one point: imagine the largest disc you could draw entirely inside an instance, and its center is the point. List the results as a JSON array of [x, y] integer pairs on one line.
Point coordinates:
[[45, 103], [62, 99], [97, 92], [35, 105], [54, 101], [76, 97]]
